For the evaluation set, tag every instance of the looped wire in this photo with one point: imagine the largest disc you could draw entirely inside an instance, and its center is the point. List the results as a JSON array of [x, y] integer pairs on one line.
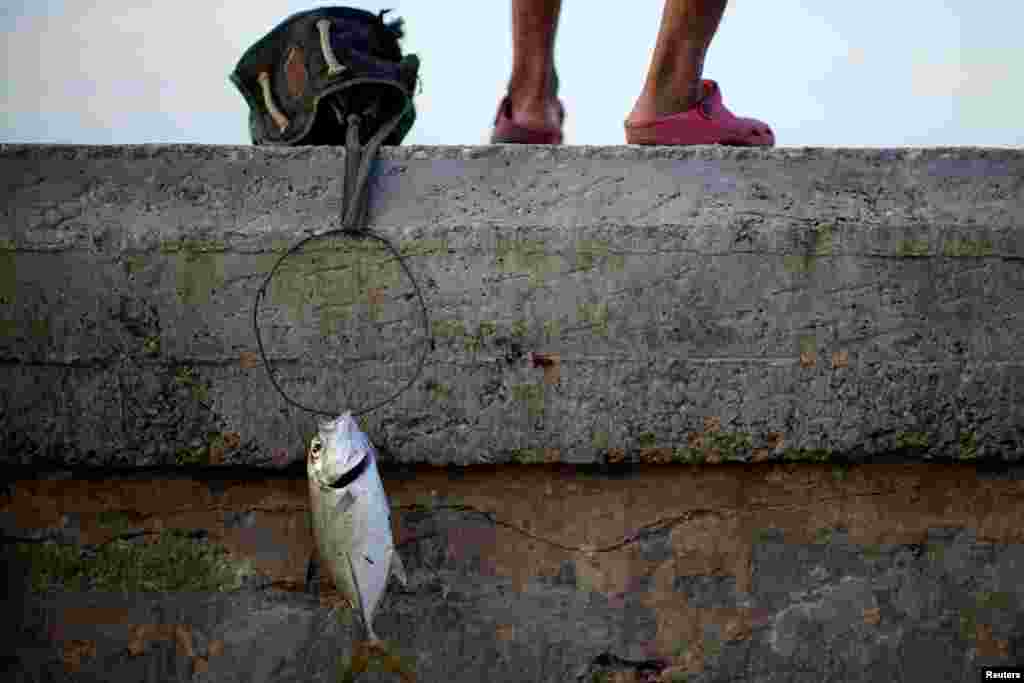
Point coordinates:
[[355, 205]]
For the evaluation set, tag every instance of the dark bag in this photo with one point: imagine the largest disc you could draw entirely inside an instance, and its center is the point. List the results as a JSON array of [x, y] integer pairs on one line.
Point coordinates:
[[305, 78]]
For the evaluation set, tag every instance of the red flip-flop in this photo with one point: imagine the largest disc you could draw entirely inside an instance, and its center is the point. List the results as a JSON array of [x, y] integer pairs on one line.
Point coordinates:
[[706, 123], [507, 131]]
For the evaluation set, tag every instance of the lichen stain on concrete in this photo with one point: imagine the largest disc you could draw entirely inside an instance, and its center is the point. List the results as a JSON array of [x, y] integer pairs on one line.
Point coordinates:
[[337, 273], [965, 248], [968, 446], [170, 561], [526, 256], [824, 239], [799, 263], [908, 248], [594, 314], [438, 391], [588, 252], [808, 350], [198, 275], [448, 329], [908, 440], [532, 395]]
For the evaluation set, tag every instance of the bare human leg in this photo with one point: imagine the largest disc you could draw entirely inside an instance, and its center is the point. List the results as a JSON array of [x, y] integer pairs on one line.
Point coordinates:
[[673, 81], [666, 113], [533, 86]]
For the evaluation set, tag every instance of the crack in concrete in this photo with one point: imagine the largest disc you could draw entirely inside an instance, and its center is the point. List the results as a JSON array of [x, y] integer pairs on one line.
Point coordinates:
[[645, 531]]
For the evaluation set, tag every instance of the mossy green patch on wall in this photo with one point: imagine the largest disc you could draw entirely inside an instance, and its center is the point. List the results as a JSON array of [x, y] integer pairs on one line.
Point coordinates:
[[824, 239], [967, 248], [532, 395], [595, 315], [872, 552], [798, 263], [438, 391], [332, 275], [526, 256], [203, 453], [528, 456], [136, 263], [714, 446], [808, 345], [188, 376], [448, 328], [968, 446], [969, 623], [911, 440], [330, 315], [175, 562], [198, 274], [200, 455], [992, 600], [476, 341], [589, 253], [712, 645], [807, 455], [151, 345], [424, 247], [912, 248]]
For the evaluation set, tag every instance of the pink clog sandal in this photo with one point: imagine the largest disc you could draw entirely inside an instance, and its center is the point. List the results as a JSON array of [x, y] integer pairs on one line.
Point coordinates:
[[706, 123], [507, 131]]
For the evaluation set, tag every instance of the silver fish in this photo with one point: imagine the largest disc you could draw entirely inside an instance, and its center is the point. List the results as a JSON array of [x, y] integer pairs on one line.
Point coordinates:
[[351, 515]]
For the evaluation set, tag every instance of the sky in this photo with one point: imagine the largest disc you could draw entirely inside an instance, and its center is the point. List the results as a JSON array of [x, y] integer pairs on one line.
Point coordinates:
[[873, 73]]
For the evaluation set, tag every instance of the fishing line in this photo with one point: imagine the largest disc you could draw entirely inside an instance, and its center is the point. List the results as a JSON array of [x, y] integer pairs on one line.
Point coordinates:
[[354, 212]]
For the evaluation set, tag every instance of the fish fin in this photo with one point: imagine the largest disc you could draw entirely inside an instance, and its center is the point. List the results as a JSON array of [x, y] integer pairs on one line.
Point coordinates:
[[359, 598], [398, 568]]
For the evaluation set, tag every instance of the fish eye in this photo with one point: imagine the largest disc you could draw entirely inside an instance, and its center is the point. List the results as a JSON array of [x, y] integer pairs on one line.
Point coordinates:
[[315, 448]]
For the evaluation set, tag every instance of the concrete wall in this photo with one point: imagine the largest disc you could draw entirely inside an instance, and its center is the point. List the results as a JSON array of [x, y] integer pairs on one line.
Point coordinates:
[[701, 305], [694, 304]]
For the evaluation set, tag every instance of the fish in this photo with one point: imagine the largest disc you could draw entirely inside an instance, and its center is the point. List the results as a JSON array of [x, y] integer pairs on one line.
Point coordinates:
[[351, 516]]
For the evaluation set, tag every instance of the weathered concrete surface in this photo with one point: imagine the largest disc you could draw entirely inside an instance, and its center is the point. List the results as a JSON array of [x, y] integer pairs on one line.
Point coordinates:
[[758, 573], [693, 304]]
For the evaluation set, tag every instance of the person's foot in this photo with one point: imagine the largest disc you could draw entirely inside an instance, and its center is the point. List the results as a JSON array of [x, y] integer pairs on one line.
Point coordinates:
[[651, 106], [540, 111], [530, 113], [706, 121]]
